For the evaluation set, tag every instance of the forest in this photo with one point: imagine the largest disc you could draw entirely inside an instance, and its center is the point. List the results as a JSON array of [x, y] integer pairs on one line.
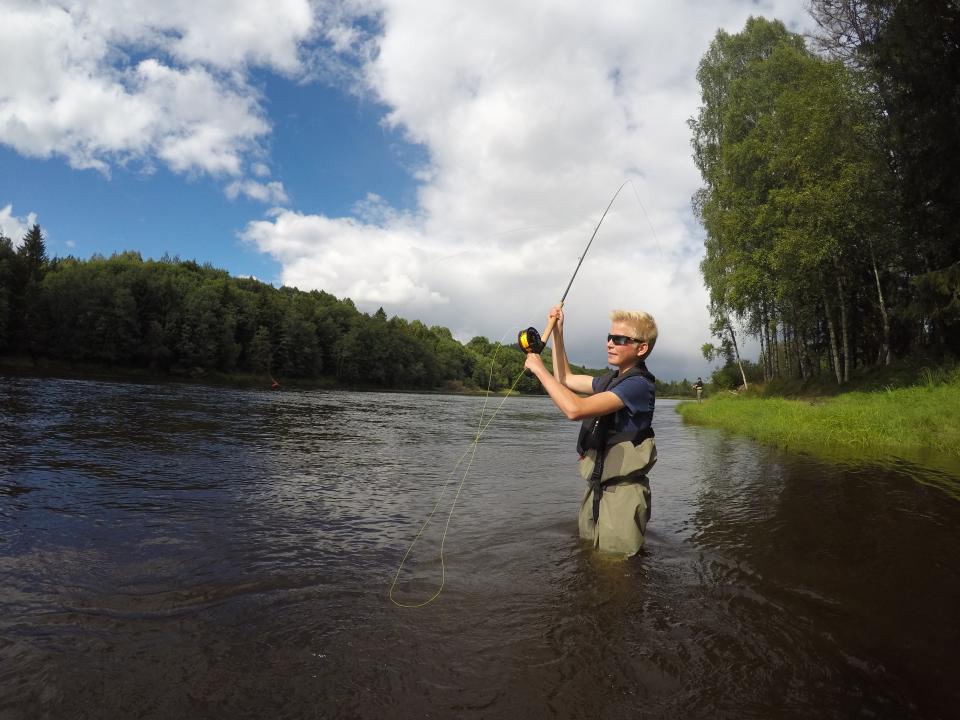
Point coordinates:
[[176, 318], [830, 195]]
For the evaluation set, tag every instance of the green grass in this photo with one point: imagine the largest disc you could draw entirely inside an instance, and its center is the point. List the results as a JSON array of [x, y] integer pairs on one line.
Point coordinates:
[[924, 416]]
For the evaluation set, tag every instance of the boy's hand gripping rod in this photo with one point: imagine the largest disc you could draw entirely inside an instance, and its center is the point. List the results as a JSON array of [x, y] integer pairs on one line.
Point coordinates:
[[530, 340]]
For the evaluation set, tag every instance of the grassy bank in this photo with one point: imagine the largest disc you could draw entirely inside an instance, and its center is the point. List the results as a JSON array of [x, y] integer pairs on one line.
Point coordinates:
[[925, 416]]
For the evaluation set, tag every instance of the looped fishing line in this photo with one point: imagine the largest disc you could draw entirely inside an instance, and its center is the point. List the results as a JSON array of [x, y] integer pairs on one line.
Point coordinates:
[[472, 451]]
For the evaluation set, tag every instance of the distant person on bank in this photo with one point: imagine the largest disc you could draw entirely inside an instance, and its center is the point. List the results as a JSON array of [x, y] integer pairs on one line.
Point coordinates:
[[616, 443], [699, 386]]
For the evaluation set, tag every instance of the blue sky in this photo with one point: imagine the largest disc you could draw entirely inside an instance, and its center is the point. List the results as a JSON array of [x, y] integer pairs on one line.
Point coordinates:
[[445, 160], [328, 146]]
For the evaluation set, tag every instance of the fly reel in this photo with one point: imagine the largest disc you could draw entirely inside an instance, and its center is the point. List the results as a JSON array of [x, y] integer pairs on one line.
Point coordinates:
[[530, 341]]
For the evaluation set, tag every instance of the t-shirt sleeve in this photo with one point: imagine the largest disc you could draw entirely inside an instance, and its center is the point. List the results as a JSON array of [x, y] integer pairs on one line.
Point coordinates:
[[636, 394]]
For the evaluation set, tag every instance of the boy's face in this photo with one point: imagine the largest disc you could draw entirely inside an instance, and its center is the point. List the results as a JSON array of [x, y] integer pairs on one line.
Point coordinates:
[[620, 355]]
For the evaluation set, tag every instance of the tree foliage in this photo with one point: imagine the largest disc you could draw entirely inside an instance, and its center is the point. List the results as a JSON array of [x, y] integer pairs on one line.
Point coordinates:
[[820, 215], [178, 317]]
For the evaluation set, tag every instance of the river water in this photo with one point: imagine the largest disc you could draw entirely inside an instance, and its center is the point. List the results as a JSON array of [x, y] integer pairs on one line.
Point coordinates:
[[175, 551]]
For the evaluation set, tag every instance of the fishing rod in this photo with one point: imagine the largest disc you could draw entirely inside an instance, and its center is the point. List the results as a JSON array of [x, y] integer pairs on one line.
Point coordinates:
[[530, 340]]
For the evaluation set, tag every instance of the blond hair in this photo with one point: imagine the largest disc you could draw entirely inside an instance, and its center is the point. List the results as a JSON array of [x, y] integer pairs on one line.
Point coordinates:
[[642, 324]]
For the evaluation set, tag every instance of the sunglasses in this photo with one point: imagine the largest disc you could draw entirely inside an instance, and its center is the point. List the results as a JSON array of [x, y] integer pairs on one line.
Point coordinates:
[[622, 339]]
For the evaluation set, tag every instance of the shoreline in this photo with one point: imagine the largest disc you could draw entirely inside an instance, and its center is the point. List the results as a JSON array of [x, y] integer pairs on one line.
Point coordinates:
[[919, 423], [22, 367], [855, 420]]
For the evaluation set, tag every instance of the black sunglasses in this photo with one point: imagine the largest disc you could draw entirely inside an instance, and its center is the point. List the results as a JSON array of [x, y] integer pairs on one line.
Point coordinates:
[[623, 339]]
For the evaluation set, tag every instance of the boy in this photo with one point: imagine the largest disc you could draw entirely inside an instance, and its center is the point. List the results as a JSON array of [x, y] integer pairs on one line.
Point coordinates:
[[616, 443]]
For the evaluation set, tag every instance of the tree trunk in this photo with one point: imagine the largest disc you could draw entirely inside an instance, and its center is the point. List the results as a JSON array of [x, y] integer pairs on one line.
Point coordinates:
[[844, 330], [802, 355], [763, 353], [766, 332], [887, 355], [787, 364], [775, 349], [795, 348], [787, 349], [833, 338], [736, 352]]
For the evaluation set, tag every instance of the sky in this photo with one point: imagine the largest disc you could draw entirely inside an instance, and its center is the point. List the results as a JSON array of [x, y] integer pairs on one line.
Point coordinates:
[[446, 160]]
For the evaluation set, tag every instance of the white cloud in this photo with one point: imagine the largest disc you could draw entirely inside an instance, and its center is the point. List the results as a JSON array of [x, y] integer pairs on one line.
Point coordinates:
[[15, 227], [219, 33], [384, 266], [100, 82], [270, 192], [343, 38], [532, 115]]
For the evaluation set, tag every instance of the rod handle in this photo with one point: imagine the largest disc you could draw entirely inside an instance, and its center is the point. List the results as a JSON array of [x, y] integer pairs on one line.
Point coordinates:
[[550, 326]]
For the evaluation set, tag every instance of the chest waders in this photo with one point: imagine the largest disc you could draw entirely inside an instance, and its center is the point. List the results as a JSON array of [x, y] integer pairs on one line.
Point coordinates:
[[610, 458]]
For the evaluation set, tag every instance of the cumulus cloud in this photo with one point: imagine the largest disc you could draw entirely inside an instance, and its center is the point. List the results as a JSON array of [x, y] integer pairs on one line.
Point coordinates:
[[382, 265], [101, 82], [532, 115], [14, 227]]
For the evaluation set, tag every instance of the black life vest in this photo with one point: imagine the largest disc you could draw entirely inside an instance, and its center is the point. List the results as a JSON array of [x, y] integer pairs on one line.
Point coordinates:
[[597, 433]]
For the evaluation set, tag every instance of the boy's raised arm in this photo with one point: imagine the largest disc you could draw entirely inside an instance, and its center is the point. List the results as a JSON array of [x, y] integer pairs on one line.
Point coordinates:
[[582, 384]]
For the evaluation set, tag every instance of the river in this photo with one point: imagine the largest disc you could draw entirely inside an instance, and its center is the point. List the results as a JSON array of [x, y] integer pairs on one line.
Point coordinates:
[[180, 551]]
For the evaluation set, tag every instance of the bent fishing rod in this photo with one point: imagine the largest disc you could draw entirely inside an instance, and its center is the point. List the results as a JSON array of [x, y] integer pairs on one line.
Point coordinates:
[[530, 340]]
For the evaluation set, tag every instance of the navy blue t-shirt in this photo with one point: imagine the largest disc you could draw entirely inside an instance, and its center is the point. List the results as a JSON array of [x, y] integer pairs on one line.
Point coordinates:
[[638, 395]]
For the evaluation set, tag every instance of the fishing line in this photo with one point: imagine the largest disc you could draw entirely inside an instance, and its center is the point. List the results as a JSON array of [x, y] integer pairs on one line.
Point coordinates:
[[472, 451], [646, 217], [530, 341]]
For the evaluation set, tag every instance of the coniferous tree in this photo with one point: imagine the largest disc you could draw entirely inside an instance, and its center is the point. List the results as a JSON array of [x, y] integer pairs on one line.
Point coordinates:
[[8, 261], [31, 322], [33, 254]]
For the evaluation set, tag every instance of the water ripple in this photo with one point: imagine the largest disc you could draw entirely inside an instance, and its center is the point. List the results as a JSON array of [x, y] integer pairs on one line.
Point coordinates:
[[205, 552]]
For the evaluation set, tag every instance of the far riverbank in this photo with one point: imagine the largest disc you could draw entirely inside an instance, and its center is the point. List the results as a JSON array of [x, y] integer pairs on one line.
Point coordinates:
[[45, 368]]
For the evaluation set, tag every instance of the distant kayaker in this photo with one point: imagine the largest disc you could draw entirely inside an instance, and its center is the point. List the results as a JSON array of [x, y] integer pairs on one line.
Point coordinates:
[[617, 413]]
